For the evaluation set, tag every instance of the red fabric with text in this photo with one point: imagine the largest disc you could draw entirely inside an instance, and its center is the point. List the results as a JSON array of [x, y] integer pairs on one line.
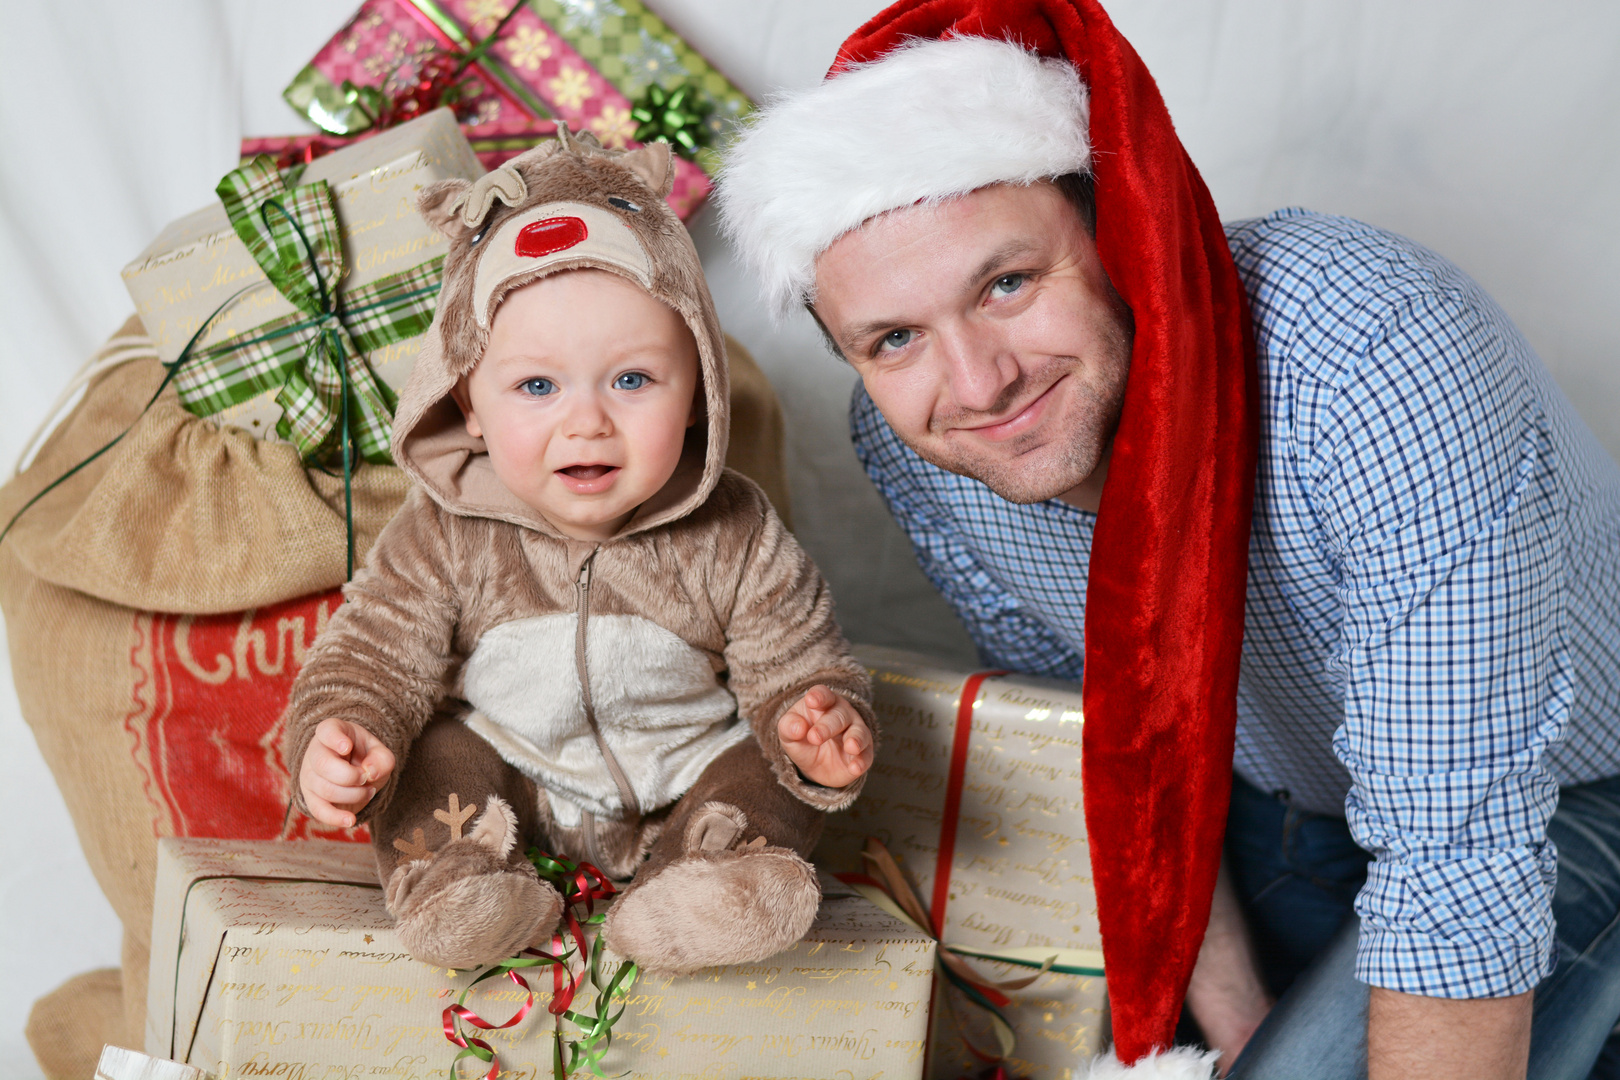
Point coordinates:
[[1164, 614]]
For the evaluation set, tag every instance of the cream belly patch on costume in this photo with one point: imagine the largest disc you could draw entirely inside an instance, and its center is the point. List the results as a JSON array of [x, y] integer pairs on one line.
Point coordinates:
[[660, 708]]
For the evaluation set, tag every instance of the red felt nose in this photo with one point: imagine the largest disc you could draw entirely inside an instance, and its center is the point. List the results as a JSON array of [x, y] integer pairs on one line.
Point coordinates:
[[552, 234]]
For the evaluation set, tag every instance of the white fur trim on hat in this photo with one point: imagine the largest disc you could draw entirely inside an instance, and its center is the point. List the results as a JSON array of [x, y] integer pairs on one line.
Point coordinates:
[[1180, 1063], [925, 122]]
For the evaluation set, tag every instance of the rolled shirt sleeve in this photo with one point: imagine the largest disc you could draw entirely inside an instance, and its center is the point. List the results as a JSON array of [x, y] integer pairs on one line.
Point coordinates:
[[1435, 475]]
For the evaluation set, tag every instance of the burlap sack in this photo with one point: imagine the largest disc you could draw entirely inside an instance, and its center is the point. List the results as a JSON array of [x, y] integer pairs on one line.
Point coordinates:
[[157, 606]]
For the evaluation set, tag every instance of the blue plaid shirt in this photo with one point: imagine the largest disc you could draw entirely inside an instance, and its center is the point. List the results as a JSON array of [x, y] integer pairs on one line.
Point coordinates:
[[1432, 638]]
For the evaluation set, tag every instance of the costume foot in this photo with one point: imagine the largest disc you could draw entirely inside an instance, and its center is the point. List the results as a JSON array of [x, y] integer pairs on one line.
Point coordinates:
[[715, 905], [465, 905]]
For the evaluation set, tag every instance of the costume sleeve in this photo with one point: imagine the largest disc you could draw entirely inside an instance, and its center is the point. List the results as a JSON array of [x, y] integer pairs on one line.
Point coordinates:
[[782, 639], [1006, 635], [1434, 476], [381, 662]]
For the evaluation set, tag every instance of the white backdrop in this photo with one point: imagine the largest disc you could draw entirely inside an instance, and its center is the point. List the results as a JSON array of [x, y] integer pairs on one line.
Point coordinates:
[[1487, 129]]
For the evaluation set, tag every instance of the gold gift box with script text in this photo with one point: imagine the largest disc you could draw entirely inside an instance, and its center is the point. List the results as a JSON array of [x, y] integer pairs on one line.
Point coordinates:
[[1008, 874], [198, 262], [279, 959]]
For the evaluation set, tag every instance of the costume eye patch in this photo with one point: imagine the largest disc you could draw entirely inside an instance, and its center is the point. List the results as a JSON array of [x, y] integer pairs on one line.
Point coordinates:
[[623, 204]]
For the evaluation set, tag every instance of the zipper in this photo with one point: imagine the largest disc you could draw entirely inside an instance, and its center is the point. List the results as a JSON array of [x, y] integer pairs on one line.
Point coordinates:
[[627, 794]]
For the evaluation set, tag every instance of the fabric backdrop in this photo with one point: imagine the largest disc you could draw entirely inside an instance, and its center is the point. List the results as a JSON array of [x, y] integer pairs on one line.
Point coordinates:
[[1486, 129]]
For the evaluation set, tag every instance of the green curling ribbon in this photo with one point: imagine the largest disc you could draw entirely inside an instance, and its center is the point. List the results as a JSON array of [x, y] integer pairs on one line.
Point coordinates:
[[678, 116]]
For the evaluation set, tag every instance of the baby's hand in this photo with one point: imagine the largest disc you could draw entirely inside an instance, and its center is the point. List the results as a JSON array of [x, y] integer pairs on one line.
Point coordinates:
[[826, 738], [344, 765]]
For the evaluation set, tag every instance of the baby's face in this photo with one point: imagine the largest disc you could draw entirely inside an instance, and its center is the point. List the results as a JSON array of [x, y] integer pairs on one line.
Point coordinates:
[[583, 398]]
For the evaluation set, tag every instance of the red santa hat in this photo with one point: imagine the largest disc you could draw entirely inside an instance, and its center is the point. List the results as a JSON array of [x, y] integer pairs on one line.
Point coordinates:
[[933, 99]]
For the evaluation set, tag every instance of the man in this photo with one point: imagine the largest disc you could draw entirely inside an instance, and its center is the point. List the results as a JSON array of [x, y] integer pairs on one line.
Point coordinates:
[[1123, 442]]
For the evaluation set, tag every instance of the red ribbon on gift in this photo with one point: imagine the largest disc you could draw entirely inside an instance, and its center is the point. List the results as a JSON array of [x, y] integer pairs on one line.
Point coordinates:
[[953, 794]]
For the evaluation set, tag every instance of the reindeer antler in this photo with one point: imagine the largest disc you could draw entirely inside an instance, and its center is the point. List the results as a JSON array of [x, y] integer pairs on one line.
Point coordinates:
[[504, 183]]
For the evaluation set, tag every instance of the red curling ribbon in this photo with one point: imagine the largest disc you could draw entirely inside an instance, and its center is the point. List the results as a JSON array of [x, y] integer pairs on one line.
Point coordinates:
[[454, 1012], [953, 796]]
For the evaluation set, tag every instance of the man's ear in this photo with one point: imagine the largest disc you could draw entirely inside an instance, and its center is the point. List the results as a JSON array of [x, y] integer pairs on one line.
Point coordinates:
[[652, 165], [463, 399]]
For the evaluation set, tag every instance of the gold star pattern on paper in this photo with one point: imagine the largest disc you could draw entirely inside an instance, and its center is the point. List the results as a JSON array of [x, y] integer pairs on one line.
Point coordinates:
[[456, 816], [570, 87], [528, 48], [367, 939], [484, 14], [752, 985], [614, 127], [415, 848], [663, 1051]]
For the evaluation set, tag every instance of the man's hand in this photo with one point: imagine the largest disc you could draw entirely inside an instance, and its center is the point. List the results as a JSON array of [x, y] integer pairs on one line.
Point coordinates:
[[1443, 1039], [344, 765], [826, 738]]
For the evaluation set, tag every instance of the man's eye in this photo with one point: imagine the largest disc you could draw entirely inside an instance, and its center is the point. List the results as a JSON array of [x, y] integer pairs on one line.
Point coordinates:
[[537, 387], [1007, 284], [631, 380], [896, 339]]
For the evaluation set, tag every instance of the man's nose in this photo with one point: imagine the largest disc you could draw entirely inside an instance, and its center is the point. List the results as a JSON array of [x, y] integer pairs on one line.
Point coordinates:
[[979, 366]]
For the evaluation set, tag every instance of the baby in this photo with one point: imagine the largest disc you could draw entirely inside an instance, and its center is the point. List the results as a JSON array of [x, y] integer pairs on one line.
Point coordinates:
[[581, 631]]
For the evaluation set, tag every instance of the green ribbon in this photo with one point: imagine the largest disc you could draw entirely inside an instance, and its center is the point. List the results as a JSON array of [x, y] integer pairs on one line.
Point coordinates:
[[329, 394]]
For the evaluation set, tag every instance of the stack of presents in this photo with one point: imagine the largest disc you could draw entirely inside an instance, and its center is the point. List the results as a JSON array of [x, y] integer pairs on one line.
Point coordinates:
[[187, 530]]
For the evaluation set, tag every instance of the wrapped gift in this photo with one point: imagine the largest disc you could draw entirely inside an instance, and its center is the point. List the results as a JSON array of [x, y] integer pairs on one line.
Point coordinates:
[[116, 1063], [976, 793], [248, 284], [278, 959], [492, 150], [608, 67]]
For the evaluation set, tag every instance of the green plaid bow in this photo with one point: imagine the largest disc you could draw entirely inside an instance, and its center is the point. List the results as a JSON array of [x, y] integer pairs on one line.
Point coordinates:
[[316, 355]]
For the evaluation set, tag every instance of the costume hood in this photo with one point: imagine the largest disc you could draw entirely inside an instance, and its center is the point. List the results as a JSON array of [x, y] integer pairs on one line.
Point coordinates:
[[935, 98], [568, 204]]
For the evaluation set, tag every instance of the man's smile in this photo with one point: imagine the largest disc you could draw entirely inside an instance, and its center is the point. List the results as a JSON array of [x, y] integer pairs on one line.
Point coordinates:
[[1021, 421]]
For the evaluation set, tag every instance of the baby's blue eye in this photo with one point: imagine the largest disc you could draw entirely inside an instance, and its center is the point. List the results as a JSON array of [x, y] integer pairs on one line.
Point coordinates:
[[537, 387], [1007, 284], [897, 339], [630, 380]]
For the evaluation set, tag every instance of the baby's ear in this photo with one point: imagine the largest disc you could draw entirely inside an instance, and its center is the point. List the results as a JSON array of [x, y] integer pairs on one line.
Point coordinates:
[[440, 206], [652, 165]]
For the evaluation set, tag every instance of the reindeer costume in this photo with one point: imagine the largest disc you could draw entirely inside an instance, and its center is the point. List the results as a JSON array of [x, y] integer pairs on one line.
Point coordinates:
[[613, 702]]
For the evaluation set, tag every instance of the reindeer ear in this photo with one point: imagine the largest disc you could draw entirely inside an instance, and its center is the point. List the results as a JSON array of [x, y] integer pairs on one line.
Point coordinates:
[[652, 165], [440, 204], [497, 829], [401, 883]]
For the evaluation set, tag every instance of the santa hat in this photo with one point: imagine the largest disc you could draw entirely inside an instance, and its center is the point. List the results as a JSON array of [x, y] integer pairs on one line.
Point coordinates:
[[935, 98]]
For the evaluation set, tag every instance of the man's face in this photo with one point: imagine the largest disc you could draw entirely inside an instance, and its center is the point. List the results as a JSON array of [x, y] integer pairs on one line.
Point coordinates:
[[988, 335], [583, 398]]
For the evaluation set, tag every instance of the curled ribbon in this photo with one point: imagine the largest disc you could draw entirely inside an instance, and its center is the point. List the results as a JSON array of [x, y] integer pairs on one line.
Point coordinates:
[[581, 885]]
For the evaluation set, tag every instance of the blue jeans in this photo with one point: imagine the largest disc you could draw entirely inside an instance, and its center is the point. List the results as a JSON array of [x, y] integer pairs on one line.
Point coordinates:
[[1297, 875]]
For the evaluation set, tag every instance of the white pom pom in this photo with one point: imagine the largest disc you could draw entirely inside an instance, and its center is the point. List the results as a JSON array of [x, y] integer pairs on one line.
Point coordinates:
[[1180, 1063], [928, 121]]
